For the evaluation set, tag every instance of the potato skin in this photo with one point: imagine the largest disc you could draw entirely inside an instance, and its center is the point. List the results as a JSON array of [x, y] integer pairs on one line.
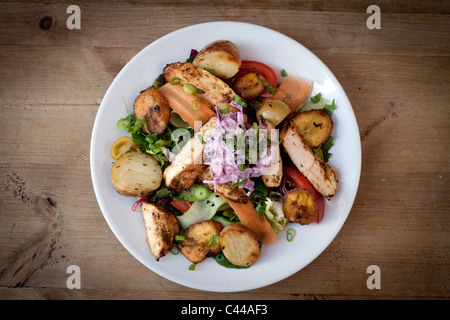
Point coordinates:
[[152, 107], [136, 174], [314, 126], [300, 206], [239, 245], [195, 245], [161, 227], [249, 86], [222, 56], [273, 110]]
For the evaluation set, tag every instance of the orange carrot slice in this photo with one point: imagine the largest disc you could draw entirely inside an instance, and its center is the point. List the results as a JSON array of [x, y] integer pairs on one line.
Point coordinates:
[[186, 105], [293, 91], [257, 223]]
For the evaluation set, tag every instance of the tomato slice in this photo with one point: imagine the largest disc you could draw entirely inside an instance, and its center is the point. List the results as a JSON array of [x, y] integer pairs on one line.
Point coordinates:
[[181, 205], [266, 71], [298, 180]]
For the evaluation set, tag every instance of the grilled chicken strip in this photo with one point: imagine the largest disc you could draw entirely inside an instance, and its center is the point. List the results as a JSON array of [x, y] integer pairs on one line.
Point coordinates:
[[161, 227], [234, 193], [187, 165], [214, 92], [274, 174], [317, 171]]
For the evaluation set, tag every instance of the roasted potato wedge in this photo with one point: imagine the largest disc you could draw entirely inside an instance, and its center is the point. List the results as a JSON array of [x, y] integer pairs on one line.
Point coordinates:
[[161, 227], [136, 174], [221, 57], [273, 110], [198, 244], [300, 206], [239, 245], [152, 107], [314, 126], [249, 86]]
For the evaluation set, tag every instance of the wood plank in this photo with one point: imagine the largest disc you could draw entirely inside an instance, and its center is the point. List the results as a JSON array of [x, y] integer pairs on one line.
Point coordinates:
[[127, 25]]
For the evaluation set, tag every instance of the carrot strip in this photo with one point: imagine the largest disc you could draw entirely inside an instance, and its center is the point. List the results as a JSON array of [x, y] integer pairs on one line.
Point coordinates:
[[293, 91], [186, 105], [249, 218]]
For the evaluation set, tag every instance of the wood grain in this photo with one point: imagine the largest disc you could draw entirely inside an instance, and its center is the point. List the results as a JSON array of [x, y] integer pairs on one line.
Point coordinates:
[[52, 81]]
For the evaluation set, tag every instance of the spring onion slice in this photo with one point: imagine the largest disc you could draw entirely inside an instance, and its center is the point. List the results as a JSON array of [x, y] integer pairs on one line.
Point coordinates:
[[290, 234], [189, 88], [196, 105], [179, 237], [200, 192], [240, 101], [123, 123], [175, 81]]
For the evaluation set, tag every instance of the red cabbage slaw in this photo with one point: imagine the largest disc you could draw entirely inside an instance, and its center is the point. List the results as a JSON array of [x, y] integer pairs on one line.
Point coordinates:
[[227, 161]]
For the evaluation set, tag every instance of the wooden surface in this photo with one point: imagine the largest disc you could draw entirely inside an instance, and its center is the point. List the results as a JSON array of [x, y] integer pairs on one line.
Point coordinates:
[[52, 81]]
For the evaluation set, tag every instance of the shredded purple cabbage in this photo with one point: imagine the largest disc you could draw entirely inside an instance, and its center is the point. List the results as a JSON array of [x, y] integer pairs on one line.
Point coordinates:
[[225, 160]]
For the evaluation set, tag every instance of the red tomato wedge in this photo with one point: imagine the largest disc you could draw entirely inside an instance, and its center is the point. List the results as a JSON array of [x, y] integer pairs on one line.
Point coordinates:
[[181, 205], [298, 180], [266, 71]]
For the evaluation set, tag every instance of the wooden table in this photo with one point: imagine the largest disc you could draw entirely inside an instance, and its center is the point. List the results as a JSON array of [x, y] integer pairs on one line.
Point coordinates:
[[53, 79]]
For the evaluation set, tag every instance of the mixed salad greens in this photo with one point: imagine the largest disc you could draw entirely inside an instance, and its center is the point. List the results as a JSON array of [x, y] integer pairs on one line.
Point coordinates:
[[228, 158]]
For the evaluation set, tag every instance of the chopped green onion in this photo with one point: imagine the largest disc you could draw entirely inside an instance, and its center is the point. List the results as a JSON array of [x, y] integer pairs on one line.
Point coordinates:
[[271, 89], [123, 123], [200, 138], [200, 192], [192, 267], [196, 105], [283, 73], [212, 71], [224, 109], [179, 237], [159, 82], [260, 216], [189, 88], [264, 82], [175, 250], [175, 81], [240, 101], [214, 238], [290, 234], [240, 182], [316, 98]]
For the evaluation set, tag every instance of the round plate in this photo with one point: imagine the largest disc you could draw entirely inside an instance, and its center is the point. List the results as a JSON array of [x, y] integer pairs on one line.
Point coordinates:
[[278, 260]]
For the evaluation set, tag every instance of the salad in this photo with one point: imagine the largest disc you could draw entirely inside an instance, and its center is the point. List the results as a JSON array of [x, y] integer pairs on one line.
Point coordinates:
[[222, 155]]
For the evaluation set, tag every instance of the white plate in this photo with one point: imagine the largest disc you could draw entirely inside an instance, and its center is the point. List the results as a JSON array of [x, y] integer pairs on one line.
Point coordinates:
[[278, 260]]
